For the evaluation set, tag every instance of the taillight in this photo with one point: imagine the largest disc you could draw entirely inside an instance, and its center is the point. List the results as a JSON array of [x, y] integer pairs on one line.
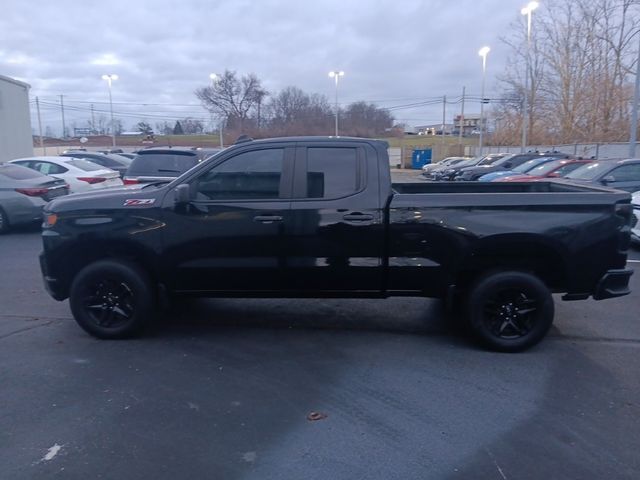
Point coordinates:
[[33, 192], [92, 180], [130, 181]]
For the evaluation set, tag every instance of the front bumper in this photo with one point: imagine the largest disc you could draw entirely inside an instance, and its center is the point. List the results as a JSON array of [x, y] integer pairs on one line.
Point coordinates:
[[52, 285], [614, 283]]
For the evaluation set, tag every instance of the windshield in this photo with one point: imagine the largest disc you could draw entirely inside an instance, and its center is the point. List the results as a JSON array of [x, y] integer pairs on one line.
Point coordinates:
[[545, 168], [16, 172], [491, 160], [530, 164], [589, 171], [85, 165]]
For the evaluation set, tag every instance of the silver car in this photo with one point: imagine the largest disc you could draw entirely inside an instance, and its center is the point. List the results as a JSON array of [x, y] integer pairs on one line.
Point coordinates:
[[23, 193]]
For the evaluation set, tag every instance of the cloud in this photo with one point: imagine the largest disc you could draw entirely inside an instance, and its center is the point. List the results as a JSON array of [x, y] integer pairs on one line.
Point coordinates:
[[164, 50]]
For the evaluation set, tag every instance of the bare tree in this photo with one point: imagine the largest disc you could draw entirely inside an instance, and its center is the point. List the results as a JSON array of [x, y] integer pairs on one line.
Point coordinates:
[[581, 64], [232, 97]]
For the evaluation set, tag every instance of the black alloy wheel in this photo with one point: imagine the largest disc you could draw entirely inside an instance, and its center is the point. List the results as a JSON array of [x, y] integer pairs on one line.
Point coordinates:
[[510, 311], [112, 299]]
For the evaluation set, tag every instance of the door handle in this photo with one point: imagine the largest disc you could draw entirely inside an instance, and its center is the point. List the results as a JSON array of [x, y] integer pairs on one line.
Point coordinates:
[[267, 218], [358, 217]]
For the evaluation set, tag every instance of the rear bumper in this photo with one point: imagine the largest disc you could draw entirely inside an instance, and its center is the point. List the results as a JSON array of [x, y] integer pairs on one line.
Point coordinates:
[[614, 283]]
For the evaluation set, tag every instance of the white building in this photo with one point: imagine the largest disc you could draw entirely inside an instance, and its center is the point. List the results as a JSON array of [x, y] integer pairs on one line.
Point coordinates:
[[15, 120]]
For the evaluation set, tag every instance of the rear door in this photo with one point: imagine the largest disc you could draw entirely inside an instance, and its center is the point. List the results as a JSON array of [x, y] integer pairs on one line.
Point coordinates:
[[230, 237], [335, 233]]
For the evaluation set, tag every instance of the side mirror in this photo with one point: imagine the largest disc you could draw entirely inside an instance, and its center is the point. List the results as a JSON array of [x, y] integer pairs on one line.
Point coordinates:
[[182, 194], [554, 175], [608, 179], [508, 165]]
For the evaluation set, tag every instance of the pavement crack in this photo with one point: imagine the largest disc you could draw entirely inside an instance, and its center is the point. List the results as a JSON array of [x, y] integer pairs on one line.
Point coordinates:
[[580, 338], [25, 329]]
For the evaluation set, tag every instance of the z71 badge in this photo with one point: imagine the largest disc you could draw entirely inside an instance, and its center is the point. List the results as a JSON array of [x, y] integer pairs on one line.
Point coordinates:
[[138, 202]]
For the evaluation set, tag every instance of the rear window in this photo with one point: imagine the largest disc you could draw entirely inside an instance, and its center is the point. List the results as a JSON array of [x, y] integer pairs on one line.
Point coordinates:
[[16, 172], [331, 172], [84, 164], [162, 164]]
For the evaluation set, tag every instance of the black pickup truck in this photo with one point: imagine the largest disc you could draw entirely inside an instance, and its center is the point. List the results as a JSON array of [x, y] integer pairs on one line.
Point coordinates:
[[319, 217]]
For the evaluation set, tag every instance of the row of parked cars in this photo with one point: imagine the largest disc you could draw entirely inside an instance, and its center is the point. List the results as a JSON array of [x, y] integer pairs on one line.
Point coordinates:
[[27, 184], [621, 174]]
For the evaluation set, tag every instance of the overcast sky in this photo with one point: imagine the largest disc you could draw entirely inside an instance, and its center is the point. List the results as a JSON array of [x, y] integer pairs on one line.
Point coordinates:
[[393, 52]]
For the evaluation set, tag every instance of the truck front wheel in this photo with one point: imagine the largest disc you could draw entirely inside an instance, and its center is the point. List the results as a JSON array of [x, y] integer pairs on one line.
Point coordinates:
[[112, 299], [509, 311]]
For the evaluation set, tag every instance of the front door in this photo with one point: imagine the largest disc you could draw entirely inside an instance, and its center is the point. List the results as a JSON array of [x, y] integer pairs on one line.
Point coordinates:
[[229, 237]]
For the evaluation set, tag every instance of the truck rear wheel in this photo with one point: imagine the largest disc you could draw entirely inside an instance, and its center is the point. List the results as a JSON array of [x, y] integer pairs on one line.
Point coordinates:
[[112, 299], [510, 311]]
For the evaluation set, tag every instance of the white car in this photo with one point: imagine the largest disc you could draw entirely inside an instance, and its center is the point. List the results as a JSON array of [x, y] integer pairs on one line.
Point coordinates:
[[81, 175], [635, 231]]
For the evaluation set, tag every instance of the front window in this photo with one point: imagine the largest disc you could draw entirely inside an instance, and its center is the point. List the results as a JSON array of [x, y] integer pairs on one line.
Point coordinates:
[[249, 175]]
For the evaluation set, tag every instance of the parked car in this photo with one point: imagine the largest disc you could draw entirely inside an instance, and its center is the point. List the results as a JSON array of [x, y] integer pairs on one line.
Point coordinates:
[[554, 169], [524, 168], [112, 161], [442, 164], [450, 173], [161, 164], [81, 175], [23, 193], [472, 174], [635, 230], [319, 217], [618, 174]]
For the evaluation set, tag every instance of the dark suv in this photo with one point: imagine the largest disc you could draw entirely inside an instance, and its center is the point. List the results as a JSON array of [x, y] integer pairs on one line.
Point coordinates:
[[162, 164]]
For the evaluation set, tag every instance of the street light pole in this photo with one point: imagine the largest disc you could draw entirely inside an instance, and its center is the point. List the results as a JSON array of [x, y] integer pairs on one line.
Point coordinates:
[[110, 78], [336, 74], [216, 78], [531, 6], [633, 132], [484, 51]]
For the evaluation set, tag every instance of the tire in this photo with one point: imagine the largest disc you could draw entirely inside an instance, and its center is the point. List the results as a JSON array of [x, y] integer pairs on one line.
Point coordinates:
[[4, 222], [112, 299], [509, 311]]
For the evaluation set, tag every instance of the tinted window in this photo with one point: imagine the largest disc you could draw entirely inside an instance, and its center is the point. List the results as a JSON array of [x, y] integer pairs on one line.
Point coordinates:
[[249, 175], [331, 172], [162, 164], [626, 173], [16, 172], [85, 165], [545, 168]]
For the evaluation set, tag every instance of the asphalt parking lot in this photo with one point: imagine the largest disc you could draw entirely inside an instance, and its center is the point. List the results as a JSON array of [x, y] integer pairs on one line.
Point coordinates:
[[223, 389]]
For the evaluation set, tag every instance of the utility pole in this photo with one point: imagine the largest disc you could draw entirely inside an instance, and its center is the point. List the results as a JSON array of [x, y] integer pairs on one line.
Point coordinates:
[[444, 118], [44, 149], [633, 132], [64, 128], [462, 117], [93, 120]]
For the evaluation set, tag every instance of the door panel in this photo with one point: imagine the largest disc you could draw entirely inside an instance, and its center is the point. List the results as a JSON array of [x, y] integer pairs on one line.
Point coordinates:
[[336, 230], [230, 237]]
